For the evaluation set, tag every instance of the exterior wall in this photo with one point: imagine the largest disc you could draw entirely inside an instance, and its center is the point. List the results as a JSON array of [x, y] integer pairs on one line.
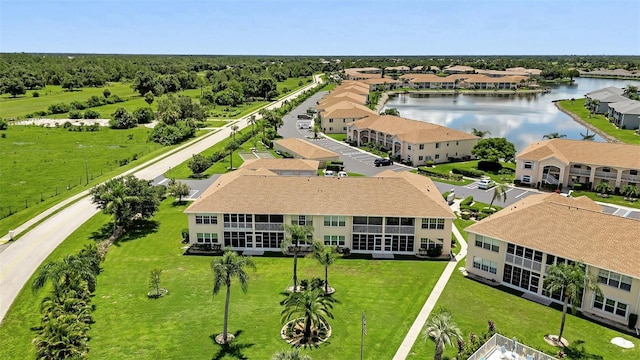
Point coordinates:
[[336, 125], [502, 260], [338, 235], [439, 154], [536, 172]]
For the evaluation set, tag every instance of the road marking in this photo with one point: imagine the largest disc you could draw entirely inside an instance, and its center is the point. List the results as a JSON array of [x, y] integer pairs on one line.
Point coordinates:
[[627, 213], [524, 192], [163, 181], [192, 193], [616, 212]]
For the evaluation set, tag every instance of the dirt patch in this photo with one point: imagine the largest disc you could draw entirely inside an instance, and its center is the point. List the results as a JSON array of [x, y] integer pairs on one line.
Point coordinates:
[[553, 340]]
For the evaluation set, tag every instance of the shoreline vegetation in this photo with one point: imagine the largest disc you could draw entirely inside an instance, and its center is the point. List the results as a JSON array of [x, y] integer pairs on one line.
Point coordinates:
[[585, 123]]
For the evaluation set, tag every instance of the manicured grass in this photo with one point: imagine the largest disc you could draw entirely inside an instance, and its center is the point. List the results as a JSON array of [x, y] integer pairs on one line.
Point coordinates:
[[13, 108], [473, 165], [292, 84], [41, 166], [216, 123], [472, 304], [612, 199], [446, 181], [339, 137], [224, 112], [391, 292], [599, 121], [461, 224], [105, 111]]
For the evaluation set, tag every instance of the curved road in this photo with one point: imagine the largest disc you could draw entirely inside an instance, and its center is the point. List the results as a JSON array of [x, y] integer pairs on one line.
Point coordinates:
[[22, 257]]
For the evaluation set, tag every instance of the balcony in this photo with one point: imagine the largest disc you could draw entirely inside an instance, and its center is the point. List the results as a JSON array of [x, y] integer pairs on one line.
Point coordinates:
[[231, 226], [268, 227], [500, 347], [606, 175], [631, 178], [374, 229], [580, 172], [399, 229]]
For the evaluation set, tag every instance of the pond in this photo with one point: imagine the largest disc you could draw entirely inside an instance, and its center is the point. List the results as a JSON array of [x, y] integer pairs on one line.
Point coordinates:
[[522, 119]]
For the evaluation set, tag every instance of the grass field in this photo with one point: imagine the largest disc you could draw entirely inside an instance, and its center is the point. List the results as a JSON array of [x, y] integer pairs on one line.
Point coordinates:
[[612, 199], [45, 164], [130, 326], [599, 121], [12, 108], [472, 304], [473, 165]]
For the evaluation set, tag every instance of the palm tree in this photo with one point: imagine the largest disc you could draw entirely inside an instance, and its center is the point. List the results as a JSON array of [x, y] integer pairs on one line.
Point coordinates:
[[480, 133], [316, 130], [326, 256], [295, 234], [570, 281], [113, 197], [554, 135], [630, 191], [603, 187], [66, 274], [312, 306], [252, 121], [631, 92], [231, 147], [499, 192], [293, 354], [234, 130], [62, 337], [587, 136], [443, 331], [225, 268]]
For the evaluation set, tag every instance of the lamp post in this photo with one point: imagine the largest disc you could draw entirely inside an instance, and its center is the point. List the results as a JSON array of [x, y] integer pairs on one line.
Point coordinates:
[[86, 169]]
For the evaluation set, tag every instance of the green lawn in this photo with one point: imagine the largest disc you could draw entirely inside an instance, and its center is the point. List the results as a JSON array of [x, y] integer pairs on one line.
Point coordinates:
[[105, 111], [472, 304], [12, 108], [38, 164], [612, 199], [599, 121], [339, 137], [225, 112], [473, 165], [130, 326]]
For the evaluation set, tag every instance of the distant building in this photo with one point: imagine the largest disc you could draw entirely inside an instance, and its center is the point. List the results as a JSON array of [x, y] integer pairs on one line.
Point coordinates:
[[599, 100], [625, 114], [302, 149]]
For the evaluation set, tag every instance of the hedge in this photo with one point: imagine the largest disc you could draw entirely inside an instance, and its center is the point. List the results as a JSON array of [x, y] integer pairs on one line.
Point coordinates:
[[468, 173], [467, 201]]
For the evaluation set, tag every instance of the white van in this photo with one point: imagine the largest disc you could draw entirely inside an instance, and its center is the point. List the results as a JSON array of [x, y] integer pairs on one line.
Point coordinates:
[[329, 173]]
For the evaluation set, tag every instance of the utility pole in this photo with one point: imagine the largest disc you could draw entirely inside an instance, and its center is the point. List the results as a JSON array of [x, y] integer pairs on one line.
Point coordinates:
[[86, 169]]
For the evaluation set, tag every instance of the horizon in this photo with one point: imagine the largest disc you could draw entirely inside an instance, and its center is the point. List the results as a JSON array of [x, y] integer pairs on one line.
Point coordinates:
[[352, 27]]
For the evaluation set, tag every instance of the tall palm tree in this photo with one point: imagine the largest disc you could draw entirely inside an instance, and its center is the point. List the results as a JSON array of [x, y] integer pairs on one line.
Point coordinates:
[[442, 331], [499, 192], [326, 256], [587, 136], [312, 306], [252, 121], [554, 135], [480, 133], [231, 147], [113, 197], [234, 130], [295, 235], [293, 354], [230, 265], [66, 274], [570, 281]]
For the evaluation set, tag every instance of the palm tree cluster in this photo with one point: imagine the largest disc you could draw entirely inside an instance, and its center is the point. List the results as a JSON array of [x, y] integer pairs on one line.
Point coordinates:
[[443, 331], [309, 310], [67, 311]]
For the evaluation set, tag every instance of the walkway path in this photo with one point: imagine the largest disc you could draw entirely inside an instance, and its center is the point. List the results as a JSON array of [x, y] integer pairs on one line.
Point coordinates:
[[418, 324], [21, 258]]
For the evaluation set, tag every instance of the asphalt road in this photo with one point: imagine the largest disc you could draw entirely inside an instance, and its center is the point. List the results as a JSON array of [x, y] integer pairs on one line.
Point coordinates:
[[21, 258]]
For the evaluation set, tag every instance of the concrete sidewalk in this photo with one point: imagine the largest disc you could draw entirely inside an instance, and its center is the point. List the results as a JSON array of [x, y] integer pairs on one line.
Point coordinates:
[[421, 319]]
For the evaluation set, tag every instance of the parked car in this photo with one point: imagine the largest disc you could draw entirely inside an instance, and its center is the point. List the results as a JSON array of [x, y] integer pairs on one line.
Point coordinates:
[[486, 184], [342, 174], [382, 162], [328, 173]]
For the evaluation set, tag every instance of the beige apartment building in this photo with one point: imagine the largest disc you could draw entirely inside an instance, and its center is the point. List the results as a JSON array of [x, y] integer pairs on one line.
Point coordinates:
[[246, 210], [516, 246], [416, 141], [566, 162], [335, 118]]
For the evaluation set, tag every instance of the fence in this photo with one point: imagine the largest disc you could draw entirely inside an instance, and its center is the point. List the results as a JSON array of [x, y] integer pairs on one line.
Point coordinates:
[[509, 349]]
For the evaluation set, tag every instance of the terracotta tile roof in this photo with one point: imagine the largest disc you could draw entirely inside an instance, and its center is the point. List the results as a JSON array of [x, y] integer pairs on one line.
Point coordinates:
[[380, 81], [418, 78], [571, 230], [305, 149], [346, 109], [346, 95], [280, 164], [459, 68], [398, 68], [584, 152], [412, 131], [396, 194]]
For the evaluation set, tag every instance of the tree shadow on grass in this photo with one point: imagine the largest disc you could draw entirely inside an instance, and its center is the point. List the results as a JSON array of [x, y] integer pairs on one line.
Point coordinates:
[[576, 351], [103, 233], [233, 349], [179, 203], [137, 230]]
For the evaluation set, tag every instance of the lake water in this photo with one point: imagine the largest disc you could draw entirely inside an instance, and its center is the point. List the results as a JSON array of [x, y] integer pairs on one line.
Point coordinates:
[[522, 119]]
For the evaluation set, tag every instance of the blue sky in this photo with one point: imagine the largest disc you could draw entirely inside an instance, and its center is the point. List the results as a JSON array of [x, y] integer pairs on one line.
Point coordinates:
[[328, 27]]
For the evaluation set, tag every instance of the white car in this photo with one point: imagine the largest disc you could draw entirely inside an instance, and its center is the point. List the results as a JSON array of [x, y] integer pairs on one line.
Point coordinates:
[[486, 184], [328, 173], [342, 174]]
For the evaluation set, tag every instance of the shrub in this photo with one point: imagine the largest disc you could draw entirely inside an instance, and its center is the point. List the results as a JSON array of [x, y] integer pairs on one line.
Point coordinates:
[[95, 101], [78, 105], [35, 94], [467, 201], [489, 166], [91, 114], [468, 173], [4, 124], [144, 115], [75, 114], [465, 215], [59, 108], [434, 252], [576, 186]]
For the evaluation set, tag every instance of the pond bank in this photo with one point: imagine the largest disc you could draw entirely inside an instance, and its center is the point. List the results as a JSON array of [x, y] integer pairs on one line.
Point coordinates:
[[586, 124]]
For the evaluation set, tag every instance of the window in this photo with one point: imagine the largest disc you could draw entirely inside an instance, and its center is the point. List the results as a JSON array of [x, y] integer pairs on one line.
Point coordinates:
[[487, 243], [206, 219], [526, 179], [429, 223], [421, 147], [207, 238], [334, 221], [609, 305], [344, 128], [615, 280], [409, 147], [437, 156], [426, 243], [330, 120], [485, 265], [240, 221], [528, 165], [302, 220], [334, 240], [420, 157], [437, 145], [606, 170], [633, 172]]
